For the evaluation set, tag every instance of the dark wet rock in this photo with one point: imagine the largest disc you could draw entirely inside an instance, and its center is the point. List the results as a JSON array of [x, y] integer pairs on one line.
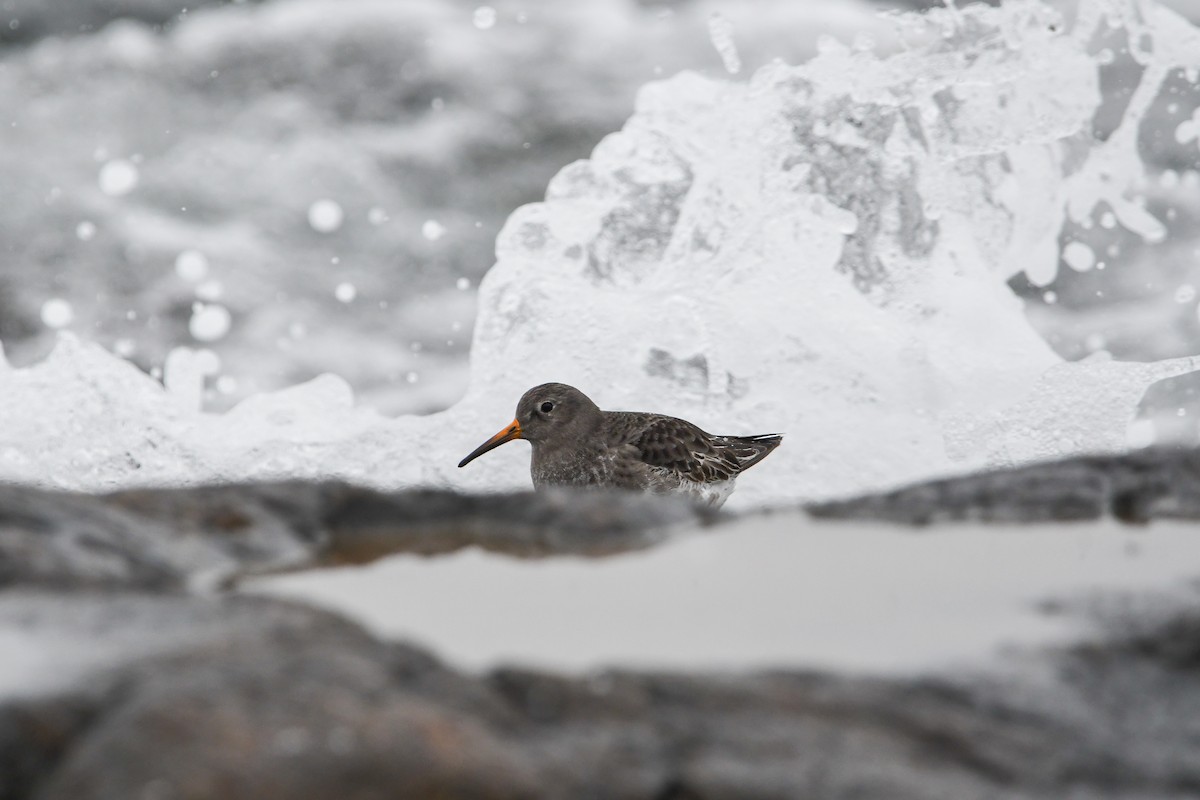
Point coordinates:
[[143, 539], [34, 737], [238, 697], [168, 537], [1137, 487], [251, 698], [123, 675], [1161, 627], [362, 525]]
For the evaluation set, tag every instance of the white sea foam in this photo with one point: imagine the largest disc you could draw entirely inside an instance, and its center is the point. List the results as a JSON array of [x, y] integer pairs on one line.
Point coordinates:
[[823, 250]]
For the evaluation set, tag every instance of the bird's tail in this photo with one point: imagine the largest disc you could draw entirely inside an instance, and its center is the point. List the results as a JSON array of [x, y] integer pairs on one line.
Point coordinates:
[[750, 450]]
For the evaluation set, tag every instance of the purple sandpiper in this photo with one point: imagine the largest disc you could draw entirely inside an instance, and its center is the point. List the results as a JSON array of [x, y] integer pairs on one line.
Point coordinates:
[[577, 444]]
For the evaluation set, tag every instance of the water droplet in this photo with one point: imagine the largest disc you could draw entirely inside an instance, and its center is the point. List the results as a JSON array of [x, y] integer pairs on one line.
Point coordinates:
[[85, 231], [1079, 256], [484, 17], [123, 347], [1186, 293], [462, 284], [377, 216], [209, 322], [118, 177], [720, 33], [433, 230], [345, 292], [57, 313], [1186, 131], [412, 377], [191, 265], [325, 216]]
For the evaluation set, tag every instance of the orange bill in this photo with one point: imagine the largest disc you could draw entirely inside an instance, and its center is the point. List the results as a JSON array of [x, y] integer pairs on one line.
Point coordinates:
[[507, 435]]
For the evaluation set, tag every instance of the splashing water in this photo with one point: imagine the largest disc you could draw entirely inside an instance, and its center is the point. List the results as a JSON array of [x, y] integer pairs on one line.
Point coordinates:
[[823, 251], [720, 31]]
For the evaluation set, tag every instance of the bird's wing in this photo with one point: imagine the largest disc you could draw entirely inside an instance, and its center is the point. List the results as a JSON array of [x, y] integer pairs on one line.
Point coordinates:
[[682, 449]]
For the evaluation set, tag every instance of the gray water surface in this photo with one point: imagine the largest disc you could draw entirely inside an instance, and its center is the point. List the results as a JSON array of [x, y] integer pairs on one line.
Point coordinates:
[[774, 591]]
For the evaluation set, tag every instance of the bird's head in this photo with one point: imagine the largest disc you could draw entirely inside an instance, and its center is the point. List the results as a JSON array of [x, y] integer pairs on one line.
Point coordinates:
[[548, 413]]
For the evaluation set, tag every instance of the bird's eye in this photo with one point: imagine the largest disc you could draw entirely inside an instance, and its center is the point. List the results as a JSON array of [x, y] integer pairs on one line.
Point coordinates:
[[547, 407]]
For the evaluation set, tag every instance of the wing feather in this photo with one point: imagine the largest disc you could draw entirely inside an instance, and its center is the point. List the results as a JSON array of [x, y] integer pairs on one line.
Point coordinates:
[[684, 450]]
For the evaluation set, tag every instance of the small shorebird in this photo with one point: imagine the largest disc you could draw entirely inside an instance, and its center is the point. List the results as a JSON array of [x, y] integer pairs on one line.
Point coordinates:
[[577, 444]]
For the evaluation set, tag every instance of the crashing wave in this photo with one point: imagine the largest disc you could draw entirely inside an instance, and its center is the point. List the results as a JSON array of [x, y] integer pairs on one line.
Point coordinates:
[[823, 250]]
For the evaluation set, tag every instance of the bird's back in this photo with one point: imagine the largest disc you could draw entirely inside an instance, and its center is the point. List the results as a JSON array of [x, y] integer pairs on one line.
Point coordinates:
[[668, 454]]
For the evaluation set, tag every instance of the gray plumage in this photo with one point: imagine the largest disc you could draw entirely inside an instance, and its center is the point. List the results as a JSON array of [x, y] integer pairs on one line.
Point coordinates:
[[576, 444]]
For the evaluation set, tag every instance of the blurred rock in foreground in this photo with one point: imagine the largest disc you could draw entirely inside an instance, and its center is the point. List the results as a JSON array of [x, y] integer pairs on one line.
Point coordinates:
[[249, 699], [118, 681], [1137, 487], [169, 538]]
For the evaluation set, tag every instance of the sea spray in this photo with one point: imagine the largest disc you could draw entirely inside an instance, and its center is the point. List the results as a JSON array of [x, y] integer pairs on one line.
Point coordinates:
[[823, 250]]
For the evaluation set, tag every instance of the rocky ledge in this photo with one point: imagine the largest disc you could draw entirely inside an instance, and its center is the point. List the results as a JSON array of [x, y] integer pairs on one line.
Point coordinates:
[[1136, 488], [129, 672]]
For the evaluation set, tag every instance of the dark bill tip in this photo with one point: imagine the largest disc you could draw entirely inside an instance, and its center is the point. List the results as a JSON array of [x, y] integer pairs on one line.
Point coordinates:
[[513, 431]]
